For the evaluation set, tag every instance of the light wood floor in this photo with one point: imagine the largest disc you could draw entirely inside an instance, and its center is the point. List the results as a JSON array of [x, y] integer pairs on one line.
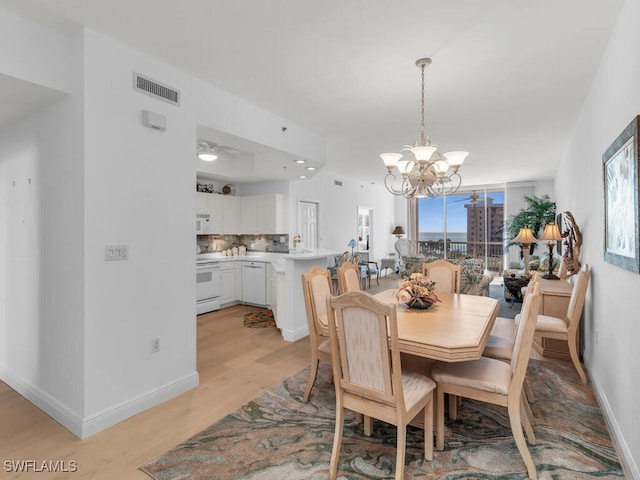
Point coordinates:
[[235, 364]]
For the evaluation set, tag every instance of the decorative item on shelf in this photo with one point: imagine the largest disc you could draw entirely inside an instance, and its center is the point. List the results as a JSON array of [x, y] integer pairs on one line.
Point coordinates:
[[572, 241], [296, 242], [429, 174], [205, 188], [551, 235], [352, 244], [417, 291], [229, 189], [525, 238]]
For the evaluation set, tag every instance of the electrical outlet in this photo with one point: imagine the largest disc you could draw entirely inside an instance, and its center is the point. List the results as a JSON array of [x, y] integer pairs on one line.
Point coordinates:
[[155, 344]]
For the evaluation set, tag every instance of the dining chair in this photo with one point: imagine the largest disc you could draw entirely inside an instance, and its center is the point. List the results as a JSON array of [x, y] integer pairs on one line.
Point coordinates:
[[333, 269], [316, 288], [445, 274], [494, 381], [568, 328], [501, 340], [372, 268], [349, 278], [367, 372]]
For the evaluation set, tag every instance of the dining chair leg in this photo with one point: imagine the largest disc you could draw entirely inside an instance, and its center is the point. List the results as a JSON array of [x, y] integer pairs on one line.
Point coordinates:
[[312, 378], [514, 407], [428, 429], [528, 392], [527, 421], [453, 406], [400, 447], [439, 418], [368, 426], [337, 442], [575, 358]]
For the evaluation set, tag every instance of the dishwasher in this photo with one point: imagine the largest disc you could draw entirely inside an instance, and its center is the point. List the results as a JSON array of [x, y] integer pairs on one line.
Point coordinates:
[[254, 283]]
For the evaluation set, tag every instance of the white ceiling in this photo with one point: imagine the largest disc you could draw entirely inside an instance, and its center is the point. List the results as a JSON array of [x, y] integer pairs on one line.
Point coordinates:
[[507, 81]]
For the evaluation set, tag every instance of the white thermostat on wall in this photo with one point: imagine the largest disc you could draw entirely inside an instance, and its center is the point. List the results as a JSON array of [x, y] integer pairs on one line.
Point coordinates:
[[154, 120]]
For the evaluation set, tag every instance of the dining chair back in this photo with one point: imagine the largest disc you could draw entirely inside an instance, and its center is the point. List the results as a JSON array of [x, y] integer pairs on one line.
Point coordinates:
[[568, 328], [367, 372], [445, 274], [348, 278], [316, 288], [494, 381]]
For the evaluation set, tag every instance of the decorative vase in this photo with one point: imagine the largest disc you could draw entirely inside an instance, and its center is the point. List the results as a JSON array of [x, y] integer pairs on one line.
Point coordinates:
[[419, 303]]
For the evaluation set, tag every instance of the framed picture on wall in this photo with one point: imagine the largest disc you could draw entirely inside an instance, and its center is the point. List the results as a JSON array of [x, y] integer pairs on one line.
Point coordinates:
[[620, 165]]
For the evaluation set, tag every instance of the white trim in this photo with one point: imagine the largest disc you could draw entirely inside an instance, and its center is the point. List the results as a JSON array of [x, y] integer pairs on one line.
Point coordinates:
[[84, 427], [631, 470], [295, 335]]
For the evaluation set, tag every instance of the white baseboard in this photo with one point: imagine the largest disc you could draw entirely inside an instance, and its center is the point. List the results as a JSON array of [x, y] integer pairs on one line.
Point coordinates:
[[84, 427], [631, 470], [112, 415], [57, 410], [295, 335]]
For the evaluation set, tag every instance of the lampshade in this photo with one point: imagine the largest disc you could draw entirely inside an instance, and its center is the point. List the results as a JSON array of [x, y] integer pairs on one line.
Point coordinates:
[[352, 243], [398, 230], [525, 237], [551, 232]]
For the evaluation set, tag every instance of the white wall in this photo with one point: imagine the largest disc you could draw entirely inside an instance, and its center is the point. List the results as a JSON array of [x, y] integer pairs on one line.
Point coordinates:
[[80, 327], [338, 211], [41, 238], [610, 327]]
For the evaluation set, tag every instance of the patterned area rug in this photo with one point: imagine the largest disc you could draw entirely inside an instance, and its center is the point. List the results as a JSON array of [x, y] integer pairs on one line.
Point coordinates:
[[276, 436], [260, 319]]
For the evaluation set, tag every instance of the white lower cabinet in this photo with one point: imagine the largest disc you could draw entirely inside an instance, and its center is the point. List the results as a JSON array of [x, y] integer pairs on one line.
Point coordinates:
[[230, 283]]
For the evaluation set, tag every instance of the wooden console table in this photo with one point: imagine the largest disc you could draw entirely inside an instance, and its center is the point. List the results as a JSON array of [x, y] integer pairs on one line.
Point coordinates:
[[555, 301]]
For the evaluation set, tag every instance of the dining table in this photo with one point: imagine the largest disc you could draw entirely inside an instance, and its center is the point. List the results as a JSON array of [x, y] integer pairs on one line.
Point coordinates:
[[455, 329]]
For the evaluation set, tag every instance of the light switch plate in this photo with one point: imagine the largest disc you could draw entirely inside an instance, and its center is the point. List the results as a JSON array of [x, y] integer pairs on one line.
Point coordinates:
[[116, 252]]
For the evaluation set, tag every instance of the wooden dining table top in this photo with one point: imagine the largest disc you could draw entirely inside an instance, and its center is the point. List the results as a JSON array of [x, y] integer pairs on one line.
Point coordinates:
[[453, 330]]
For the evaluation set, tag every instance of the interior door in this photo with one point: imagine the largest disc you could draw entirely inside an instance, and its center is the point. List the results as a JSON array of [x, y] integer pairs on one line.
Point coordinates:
[[308, 221]]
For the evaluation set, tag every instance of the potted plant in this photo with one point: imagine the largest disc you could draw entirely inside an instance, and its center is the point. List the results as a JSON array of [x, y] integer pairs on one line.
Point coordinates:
[[539, 212]]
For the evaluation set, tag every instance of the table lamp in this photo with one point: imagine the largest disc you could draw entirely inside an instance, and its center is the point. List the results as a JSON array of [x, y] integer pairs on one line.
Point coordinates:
[[352, 244], [551, 235], [525, 238], [398, 231]]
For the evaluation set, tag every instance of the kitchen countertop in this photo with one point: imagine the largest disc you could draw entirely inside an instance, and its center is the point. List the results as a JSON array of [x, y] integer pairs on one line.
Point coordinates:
[[278, 260]]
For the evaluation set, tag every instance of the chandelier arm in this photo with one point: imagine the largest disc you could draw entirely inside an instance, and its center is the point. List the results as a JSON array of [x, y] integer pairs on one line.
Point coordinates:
[[389, 180]]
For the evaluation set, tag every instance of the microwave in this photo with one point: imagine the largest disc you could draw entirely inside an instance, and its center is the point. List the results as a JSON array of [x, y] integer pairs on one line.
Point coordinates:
[[202, 224]]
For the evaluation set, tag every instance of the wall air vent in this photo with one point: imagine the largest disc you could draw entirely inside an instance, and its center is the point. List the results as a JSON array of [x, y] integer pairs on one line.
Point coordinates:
[[155, 89], [337, 182]]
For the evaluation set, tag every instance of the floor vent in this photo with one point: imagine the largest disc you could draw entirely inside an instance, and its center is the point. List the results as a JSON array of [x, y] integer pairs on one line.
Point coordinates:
[[155, 89], [337, 182]]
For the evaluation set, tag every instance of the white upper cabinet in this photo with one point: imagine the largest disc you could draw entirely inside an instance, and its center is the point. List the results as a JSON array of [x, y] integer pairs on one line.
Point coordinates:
[[264, 214], [253, 215]]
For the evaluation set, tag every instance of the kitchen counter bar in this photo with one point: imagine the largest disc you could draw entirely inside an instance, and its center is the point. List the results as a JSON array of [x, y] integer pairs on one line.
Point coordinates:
[[289, 308]]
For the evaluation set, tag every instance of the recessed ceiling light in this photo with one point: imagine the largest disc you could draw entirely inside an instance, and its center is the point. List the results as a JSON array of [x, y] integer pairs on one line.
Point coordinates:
[[302, 176], [299, 161], [311, 169]]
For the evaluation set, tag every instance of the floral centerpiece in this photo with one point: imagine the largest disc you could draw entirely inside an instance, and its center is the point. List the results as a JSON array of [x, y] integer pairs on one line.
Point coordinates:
[[417, 291]]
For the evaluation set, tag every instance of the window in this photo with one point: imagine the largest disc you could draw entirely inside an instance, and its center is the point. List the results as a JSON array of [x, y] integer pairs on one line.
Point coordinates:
[[464, 225]]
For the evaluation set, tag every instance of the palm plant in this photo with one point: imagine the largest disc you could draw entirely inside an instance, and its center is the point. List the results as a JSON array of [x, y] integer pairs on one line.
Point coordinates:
[[540, 211]]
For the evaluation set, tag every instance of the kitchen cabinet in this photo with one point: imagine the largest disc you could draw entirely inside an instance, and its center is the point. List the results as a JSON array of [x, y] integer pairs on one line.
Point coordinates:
[[202, 203], [230, 283], [264, 214], [231, 213], [254, 283]]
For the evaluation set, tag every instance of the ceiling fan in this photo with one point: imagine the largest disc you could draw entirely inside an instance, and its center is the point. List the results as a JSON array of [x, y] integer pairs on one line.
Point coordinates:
[[474, 198], [209, 151]]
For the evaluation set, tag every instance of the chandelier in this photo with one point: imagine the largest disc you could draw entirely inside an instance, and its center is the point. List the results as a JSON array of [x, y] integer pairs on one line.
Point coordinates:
[[429, 173]]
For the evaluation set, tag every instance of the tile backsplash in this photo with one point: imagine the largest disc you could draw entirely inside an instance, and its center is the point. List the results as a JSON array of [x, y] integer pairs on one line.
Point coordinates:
[[254, 243]]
